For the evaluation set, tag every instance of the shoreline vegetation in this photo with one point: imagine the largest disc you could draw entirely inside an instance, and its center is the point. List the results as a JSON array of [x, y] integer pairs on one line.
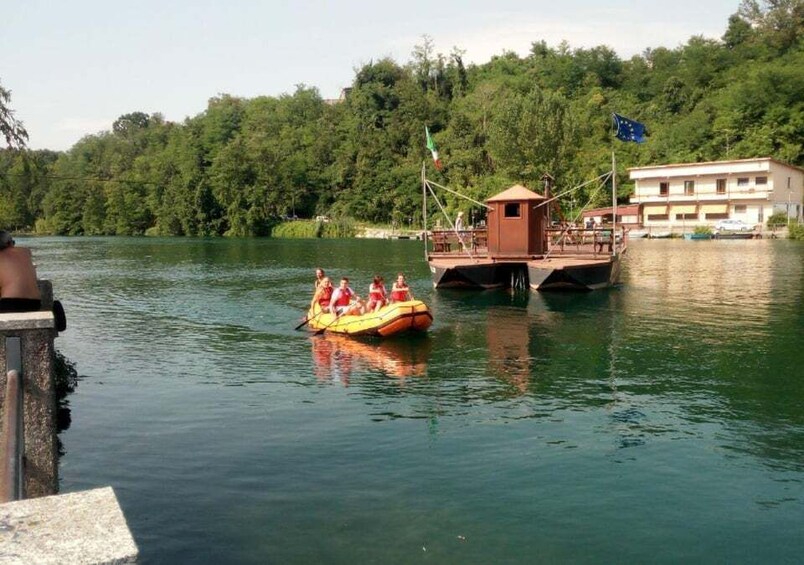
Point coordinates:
[[243, 165], [349, 229]]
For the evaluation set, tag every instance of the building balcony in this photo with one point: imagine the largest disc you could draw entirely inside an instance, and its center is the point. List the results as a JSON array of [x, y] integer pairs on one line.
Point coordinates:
[[750, 194]]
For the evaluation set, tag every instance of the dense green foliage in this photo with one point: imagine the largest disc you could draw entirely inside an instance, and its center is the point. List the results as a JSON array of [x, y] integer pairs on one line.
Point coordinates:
[[796, 231], [243, 164], [10, 127], [778, 219], [300, 229]]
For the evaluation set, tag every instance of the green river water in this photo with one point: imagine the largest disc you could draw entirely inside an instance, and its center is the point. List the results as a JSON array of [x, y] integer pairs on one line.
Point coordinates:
[[661, 421]]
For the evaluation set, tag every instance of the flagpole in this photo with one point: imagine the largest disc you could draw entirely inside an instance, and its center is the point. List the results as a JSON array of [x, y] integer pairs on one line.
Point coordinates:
[[424, 208], [613, 204]]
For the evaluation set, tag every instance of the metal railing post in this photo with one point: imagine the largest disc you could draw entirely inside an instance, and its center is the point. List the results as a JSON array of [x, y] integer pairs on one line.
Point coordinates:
[[12, 441]]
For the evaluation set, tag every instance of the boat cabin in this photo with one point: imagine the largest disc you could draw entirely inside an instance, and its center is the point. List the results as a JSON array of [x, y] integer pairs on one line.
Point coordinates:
[[516, 224]]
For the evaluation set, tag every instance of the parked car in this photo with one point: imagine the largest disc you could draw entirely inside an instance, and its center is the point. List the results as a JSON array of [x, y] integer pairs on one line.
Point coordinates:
[[733, 225]]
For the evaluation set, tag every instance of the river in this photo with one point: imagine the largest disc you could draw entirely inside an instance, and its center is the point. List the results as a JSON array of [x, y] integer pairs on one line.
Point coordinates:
[[659, 421]]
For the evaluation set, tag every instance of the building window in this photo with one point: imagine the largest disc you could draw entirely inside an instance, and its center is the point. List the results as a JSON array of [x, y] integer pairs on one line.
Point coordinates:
[[721, 186], [686, 216], [664, 188], [761, 181], [658, 217], [717, 216], [742, 181], [689, 187], [512, 210], [739, 208]]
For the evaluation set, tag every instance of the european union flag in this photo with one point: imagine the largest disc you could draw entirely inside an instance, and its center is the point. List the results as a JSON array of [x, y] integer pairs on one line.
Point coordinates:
[[629, 130]]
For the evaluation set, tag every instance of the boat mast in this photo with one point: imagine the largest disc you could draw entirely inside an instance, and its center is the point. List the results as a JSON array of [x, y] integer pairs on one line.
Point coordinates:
[[424, 208], [613, 204]]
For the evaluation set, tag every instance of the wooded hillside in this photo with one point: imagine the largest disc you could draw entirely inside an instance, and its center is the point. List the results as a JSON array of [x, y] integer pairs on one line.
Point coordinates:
[[243, 164]]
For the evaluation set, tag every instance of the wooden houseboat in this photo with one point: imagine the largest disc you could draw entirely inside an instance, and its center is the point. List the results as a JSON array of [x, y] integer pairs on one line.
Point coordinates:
[[519, 248]]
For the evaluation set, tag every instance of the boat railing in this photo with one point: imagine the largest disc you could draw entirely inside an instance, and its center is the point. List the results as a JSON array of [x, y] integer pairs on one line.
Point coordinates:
[[596, 241], [460, 242], [561, 241]]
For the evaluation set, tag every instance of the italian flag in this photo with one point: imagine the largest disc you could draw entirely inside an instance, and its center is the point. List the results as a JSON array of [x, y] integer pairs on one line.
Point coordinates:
[[432, 147]]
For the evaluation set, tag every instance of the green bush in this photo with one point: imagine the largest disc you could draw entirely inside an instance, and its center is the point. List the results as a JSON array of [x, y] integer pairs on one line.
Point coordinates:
[[340, 228], [309, 229], [796, 231], [777, 220], [707, 230], [299, 229]]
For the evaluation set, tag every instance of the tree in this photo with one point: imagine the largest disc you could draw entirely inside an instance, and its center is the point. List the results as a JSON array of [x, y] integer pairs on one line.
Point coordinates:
[[532, 135], [11, 128]]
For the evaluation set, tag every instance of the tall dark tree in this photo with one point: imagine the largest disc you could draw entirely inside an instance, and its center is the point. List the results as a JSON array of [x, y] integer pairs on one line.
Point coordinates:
[[12, 129]]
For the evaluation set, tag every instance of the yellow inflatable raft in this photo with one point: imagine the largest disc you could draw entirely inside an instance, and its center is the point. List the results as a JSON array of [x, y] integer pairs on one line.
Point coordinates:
[[396, 318]]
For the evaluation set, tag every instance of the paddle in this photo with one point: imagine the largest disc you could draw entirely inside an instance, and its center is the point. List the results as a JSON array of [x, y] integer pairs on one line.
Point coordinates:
[[308, 320]]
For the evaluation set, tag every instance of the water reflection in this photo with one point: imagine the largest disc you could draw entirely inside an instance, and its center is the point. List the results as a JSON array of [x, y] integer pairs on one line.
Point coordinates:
[[508, 340], [337, 357]]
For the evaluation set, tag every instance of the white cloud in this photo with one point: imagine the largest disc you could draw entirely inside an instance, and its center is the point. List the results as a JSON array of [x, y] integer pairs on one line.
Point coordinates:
[[507, 33], [83, 126]]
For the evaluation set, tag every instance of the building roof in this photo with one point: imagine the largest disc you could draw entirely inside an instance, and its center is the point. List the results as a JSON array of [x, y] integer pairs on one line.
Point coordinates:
[[704, 163], [626, 210], [516, 192]]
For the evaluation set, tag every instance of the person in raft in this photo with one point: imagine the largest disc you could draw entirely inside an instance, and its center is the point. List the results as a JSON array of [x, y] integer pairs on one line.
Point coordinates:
[[319, 276], [344, 301], [323, 294], [400, 292], [18, 289], [377, 295]]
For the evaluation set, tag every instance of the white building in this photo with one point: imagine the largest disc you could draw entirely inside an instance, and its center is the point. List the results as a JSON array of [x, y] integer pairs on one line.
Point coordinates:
[[691, 194]]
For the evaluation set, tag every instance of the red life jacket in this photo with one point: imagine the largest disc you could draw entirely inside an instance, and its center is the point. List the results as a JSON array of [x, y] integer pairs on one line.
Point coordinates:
[[399, 294], [376, 293], [325, 296], [345, 297]]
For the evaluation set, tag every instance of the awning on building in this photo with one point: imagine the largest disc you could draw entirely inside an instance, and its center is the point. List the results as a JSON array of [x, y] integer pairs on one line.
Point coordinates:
[[684, 209], [715, 208], [652, 210]]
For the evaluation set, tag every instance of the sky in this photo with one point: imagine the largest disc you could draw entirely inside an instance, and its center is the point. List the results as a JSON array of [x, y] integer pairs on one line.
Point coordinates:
[[75, 67]]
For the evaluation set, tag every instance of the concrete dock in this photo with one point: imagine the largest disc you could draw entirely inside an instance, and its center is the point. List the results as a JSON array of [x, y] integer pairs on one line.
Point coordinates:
[[77, 528]]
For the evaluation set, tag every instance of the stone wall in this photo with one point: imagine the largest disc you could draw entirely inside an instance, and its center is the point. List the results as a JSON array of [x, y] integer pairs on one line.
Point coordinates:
[[36, 331]]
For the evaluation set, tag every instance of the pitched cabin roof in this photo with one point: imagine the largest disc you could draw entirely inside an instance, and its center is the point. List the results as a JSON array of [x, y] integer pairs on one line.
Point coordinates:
[[516, 192]]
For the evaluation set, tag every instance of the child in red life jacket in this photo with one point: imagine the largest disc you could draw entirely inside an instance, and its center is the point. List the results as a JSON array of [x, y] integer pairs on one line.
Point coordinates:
[[377, 295], [400, 292]]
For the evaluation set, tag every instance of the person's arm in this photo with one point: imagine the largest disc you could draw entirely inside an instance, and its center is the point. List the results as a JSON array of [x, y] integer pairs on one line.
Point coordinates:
[[316, 296], [333, 299]]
